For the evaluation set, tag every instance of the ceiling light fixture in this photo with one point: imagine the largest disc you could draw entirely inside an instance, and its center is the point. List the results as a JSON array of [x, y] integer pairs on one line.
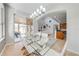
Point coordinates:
[[38, 12]]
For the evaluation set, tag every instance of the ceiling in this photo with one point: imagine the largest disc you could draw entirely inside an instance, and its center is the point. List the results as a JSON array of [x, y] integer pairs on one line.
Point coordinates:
[[27, 8]]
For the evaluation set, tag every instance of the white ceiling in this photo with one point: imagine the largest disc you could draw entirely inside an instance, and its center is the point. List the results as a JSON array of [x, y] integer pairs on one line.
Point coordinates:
[[27, 8]]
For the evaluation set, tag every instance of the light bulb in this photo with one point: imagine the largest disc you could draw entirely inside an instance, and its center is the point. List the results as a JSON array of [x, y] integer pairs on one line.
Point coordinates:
[[41, 7], [38, 10], [43, 10], [34, 13]]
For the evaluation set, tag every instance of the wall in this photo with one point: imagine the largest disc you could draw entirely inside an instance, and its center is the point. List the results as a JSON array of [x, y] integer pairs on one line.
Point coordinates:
[[9, 24], [72, 25]]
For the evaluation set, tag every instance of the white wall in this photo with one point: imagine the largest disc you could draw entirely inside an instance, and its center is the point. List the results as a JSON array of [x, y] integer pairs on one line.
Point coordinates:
[[72, 25], [9, 25]]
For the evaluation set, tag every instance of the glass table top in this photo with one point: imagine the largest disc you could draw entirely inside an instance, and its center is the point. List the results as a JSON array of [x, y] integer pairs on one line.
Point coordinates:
[[42, 47]]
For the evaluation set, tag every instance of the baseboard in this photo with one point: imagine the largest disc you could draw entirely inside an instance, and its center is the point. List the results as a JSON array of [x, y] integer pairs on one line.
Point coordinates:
[[65, 47], [73, 51], [3, 50]]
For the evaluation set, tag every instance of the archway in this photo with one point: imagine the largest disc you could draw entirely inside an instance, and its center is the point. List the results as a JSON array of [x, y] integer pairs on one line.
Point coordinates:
[[58, 18]]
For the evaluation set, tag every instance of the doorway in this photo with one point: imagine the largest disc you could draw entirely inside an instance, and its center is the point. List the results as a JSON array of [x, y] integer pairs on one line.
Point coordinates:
[[55, 25]]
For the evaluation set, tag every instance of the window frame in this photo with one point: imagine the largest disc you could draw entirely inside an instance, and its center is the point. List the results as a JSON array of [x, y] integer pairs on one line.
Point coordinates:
[[2, 24]]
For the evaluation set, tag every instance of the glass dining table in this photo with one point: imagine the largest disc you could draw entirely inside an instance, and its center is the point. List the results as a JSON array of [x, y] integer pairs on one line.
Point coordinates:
[[38, 48]]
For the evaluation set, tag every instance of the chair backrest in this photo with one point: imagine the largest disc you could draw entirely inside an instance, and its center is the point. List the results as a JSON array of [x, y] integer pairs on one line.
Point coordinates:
[[43, 39]]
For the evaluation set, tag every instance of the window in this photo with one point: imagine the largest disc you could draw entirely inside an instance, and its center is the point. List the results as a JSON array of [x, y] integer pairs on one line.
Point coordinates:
[[20, 28], [2, 23], [16, 27]]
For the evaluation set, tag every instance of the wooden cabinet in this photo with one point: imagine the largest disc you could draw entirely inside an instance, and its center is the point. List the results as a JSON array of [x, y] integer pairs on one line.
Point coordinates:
[[60, 35], [62, 26]]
